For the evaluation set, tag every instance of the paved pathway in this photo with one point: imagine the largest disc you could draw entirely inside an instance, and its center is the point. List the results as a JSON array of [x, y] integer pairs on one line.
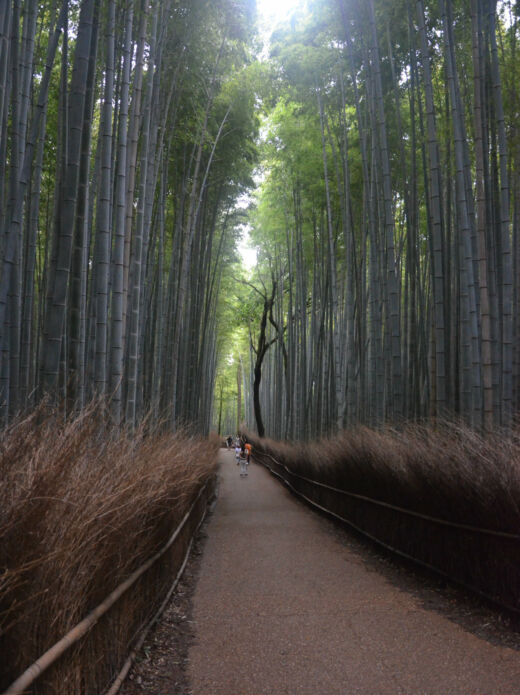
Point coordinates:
[[282, 605]]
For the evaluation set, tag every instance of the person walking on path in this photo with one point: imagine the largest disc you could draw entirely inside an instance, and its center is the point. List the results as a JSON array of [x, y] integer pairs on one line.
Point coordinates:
[[237, 451], [243, 462], [248, 448]]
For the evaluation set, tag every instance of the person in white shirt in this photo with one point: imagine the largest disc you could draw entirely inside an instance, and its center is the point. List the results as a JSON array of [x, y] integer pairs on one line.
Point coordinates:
[[243, 462]]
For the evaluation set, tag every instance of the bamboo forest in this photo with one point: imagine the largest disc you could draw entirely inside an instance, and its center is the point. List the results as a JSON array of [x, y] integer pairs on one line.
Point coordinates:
[[372, 157], [295, 224]]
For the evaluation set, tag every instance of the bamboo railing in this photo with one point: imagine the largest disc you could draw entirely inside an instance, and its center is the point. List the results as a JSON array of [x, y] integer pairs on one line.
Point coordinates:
[[34, 671]]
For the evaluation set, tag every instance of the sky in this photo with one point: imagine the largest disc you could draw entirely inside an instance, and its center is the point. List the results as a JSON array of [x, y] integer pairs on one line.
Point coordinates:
[[275, 9], [272, 12]]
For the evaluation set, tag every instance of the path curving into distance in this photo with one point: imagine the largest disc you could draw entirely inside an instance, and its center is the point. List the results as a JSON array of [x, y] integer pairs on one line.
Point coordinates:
[[285, 603]]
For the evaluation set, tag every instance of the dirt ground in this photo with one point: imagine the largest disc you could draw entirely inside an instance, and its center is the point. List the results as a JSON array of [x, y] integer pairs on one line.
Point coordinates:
[[278, 599]]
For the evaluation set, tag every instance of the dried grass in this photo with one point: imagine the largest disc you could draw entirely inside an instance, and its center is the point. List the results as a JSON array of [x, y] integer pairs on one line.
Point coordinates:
[[446, 471], [83, 505]]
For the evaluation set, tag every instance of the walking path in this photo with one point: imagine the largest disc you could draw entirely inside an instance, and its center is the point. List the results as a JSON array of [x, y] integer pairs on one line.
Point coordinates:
[[284, 604]]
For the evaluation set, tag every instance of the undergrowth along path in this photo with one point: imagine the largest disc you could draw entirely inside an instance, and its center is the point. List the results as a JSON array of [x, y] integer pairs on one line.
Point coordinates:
[[285, 603]]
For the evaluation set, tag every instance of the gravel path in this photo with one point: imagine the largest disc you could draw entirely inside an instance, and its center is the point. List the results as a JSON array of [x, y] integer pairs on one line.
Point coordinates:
[[288, 603]]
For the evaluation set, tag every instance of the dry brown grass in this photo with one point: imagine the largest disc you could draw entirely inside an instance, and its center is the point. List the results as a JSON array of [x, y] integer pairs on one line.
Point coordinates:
[[448, 472], [83, 505]]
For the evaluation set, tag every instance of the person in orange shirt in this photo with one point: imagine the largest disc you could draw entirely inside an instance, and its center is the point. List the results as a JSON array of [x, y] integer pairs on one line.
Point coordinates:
[[248, 448]]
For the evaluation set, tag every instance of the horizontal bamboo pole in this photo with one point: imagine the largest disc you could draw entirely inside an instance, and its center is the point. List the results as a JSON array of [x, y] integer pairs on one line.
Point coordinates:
[[391, 548], [409, 512], [76, 633]]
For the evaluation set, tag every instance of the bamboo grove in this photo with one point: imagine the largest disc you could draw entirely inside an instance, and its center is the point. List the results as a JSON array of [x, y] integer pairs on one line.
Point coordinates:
[[388, 217], [127, 131]]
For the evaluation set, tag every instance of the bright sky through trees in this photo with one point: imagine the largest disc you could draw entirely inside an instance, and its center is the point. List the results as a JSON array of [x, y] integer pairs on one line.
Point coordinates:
[[270, 13], [276, 9], [247, 253]]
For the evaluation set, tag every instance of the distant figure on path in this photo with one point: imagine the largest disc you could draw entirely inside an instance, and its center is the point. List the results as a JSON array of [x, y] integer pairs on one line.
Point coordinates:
[[243, 462], [248, 448], [229, 441], [237, 452]]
